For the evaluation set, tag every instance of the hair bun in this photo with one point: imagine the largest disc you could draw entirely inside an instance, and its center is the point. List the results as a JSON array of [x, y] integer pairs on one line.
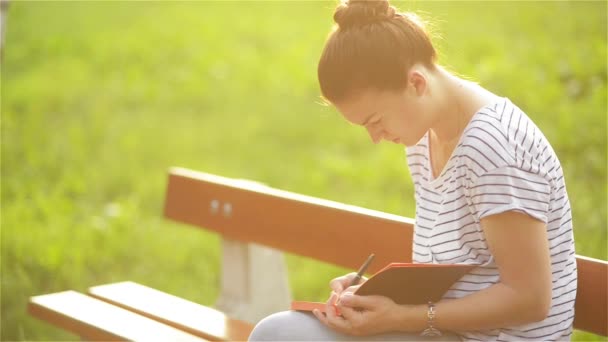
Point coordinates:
[[356, 13]]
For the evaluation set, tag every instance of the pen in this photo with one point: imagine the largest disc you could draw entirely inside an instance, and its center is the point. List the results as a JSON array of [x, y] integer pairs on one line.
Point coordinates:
[[362, 270]]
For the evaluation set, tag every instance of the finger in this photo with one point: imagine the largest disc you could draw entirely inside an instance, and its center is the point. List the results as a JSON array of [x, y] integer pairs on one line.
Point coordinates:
[[340, 283], [339, 324], [333, 299], [345, 292], [320, 316], [336, 322], [352, 300], [336, 285], [352, 289], [330, 306], [349, 278], [351, 314]]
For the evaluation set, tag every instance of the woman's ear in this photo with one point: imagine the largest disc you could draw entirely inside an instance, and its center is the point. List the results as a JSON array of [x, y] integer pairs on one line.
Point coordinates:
[[418, 81]]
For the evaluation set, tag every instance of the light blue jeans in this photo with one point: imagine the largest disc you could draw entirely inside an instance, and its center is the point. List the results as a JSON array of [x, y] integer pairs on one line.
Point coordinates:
[[304, 326]]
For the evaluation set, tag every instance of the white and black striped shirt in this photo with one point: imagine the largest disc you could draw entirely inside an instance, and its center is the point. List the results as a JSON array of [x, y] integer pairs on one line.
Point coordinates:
[[502, 162]]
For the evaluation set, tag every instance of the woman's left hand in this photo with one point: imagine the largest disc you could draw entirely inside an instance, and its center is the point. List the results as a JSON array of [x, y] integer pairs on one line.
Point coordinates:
[[360, 315]]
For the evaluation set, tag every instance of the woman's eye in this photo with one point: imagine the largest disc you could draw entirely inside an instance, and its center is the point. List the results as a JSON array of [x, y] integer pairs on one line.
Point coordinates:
[[373, 122]]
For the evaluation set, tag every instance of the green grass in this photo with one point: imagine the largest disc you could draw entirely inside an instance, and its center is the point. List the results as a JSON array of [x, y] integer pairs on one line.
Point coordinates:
[[100, 98]]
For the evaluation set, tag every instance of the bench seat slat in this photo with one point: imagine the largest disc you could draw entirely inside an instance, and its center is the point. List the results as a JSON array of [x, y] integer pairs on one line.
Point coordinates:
[[95, 320], [185, 315]]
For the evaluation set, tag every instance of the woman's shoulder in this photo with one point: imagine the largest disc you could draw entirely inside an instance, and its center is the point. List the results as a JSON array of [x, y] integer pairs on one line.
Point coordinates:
[[503, 122], [485, 142], [490, 122], [502, 134]]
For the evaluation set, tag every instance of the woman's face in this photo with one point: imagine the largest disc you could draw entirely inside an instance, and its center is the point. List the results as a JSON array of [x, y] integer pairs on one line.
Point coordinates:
[[402, 117]]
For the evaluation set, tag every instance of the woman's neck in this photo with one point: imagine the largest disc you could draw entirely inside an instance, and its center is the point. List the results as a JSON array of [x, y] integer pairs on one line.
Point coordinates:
[[462, 99]]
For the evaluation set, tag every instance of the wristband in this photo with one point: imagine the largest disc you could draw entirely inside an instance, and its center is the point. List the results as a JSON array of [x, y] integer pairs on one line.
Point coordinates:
[[431, 331]]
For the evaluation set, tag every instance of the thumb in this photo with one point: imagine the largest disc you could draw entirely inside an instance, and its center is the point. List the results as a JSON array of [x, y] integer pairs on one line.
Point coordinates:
[[354, 301], [336, 286]]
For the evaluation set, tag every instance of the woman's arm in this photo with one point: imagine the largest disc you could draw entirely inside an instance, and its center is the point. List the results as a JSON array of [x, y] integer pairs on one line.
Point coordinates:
[[519, 245], [520, 248]]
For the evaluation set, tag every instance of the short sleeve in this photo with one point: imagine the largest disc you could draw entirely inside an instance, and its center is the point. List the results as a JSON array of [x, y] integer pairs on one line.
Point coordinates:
[[509, 188]]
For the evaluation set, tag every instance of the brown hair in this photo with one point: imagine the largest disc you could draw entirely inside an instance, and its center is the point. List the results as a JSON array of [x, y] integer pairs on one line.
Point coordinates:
[[371, 47]]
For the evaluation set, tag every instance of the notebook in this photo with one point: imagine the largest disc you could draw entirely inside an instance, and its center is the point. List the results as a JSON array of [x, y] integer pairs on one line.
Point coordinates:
[[405, 283]]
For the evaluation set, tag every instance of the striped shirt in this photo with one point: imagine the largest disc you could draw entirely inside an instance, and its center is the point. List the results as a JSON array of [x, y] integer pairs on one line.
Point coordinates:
[[502, 162]]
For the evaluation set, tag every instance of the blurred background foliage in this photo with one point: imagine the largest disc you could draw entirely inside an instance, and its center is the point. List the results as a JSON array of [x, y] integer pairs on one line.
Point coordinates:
[[99, 99]]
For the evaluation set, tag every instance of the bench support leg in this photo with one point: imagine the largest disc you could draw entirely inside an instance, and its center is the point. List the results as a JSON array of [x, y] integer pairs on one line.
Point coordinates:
[[253, 282]]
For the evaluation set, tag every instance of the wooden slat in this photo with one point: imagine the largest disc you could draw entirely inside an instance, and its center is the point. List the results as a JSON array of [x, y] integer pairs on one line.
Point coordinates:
[[591, 308], [324, 230], [182, 314], [95, 320]]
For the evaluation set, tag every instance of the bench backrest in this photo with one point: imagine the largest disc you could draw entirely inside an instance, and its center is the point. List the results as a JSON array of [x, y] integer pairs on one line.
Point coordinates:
[[591, 310], [308, 226], [329, 231]]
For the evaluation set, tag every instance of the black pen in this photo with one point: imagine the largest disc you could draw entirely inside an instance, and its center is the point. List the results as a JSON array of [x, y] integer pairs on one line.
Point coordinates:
[[362, 270]]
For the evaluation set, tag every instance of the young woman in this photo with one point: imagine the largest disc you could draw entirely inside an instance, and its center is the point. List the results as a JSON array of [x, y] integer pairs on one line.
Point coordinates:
[[489, 191]]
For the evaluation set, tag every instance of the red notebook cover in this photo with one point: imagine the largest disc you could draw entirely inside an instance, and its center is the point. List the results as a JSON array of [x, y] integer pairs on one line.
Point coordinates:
[[405, 283]]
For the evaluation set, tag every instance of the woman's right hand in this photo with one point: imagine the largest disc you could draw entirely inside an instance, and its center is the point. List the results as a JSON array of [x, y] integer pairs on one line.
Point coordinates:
[[341, 284], [338, 286]]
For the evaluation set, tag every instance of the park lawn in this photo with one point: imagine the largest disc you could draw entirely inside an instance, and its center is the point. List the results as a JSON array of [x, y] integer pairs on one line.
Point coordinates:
[[99, 99]]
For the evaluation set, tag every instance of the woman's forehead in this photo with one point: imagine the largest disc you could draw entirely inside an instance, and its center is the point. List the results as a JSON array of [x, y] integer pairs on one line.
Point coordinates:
[[357, 109]]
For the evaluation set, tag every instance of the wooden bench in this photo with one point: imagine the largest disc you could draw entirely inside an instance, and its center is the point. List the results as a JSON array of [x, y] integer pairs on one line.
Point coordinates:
[[256, 224]]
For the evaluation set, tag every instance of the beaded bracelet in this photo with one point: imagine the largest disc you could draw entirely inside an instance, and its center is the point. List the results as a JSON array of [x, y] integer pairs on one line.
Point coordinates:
[[431, 331]]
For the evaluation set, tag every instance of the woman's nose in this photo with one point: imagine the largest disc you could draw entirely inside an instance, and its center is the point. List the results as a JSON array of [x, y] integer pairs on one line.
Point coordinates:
[[375, 134]]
